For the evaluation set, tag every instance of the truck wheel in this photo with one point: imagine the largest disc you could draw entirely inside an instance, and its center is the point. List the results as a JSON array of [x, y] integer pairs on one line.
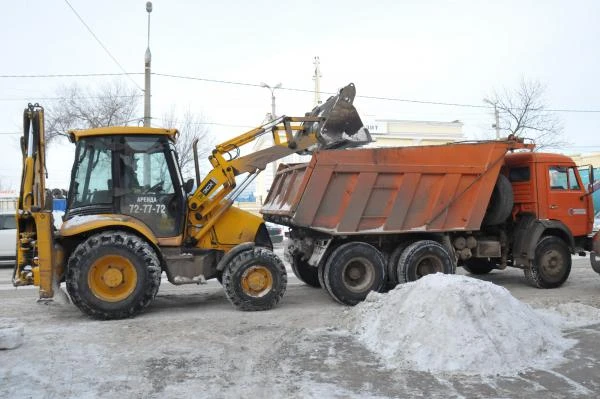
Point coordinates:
[[422, 258], [306, 273], [392, 265], [478, 266], [255, 279], [321, 274], [352, 271], [551, 265], [501, 203], [113, 275]]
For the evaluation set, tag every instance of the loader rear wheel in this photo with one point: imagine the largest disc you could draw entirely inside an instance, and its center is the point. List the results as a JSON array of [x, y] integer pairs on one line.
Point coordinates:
[[113, 275], [478, 266], [305, 272], [422, 258], [352, 271], [255, 279], [551, 265]]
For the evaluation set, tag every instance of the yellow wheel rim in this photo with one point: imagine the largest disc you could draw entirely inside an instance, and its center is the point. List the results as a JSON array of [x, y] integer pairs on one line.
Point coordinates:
[[257, 281], [112, 278]]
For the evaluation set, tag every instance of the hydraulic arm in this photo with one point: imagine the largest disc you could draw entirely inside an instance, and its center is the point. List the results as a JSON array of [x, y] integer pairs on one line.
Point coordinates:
[[35, 263], [334, 124]]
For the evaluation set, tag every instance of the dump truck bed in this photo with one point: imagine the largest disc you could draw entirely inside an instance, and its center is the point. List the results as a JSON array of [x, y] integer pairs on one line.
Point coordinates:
[[388, 190]]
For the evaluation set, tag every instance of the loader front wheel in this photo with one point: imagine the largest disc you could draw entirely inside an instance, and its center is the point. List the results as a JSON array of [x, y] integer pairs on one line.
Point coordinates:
[[255, 279], [352, 271], [113, 275]]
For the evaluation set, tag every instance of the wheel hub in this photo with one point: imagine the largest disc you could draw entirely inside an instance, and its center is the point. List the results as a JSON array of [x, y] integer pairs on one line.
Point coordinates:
[[552, 263], [112, 278], [257, 281], [358, 274], [429, 265]]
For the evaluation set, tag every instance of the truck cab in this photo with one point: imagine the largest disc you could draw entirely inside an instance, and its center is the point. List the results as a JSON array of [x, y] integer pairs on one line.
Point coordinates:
[[549, 187]]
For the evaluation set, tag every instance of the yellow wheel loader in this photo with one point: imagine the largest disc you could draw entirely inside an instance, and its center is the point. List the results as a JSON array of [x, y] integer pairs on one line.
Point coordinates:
[[130, 216]]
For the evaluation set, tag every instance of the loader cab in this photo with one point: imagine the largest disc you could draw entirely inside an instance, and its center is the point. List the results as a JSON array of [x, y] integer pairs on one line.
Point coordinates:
[[128, 174]]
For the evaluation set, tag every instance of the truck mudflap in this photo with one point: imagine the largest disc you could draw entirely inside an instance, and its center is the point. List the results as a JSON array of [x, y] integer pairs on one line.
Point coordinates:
[[595, 253]]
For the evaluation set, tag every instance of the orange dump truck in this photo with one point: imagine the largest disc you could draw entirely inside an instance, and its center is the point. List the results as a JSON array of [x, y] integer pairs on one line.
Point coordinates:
[[369, 218]]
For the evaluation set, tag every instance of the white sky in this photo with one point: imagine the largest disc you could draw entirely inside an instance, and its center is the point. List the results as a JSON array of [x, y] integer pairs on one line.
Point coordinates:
[[443, 51]]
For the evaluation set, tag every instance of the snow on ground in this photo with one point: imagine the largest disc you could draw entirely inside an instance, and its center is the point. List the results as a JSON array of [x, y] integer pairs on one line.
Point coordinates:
[[572, 314], [451, 323], [11, 333]]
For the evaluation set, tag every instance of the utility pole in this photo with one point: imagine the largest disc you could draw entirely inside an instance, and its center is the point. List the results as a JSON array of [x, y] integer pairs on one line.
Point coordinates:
[[497, 125], [496, 115], [317, 78], [147, 71], [147, 95]]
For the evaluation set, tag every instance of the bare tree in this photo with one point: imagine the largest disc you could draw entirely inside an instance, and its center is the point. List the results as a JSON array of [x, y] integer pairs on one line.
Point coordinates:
[[83, 108], [191, 126], [523, 113]]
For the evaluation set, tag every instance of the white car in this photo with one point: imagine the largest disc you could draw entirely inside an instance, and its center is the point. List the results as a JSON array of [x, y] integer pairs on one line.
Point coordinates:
[[597, 221], [8, 239]]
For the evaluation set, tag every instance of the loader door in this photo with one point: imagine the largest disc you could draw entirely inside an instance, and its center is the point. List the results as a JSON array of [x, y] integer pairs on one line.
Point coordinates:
[[149, 184], [566, 200]]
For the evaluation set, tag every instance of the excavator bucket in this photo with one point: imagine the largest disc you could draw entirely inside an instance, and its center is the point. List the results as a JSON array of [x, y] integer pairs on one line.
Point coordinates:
[[341, 126]]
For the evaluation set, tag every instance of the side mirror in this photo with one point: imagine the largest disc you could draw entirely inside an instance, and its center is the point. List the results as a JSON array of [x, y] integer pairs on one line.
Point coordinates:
[[188, 186]]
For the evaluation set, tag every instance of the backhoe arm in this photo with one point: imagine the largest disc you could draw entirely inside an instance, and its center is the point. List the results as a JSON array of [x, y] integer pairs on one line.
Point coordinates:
[[35, 243]]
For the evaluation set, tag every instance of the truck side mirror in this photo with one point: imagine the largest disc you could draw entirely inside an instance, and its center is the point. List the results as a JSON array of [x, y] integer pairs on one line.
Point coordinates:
[[591, 175], [188, 186]]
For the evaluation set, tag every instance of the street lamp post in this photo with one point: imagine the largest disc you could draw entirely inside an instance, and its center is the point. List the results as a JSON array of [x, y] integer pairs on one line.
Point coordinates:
[[273, 117], [277, 86], [147, 70]]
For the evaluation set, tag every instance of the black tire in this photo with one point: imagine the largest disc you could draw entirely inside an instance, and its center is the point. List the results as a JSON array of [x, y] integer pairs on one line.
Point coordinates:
[[392, 264], [306, 273], [424, 257], [501, 203], [551, 265], [352, 271], [321, 274], [478, 266], [91, 265], [255, 279]]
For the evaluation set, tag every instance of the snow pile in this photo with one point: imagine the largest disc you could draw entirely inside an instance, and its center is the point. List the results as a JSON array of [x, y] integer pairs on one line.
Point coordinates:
[[450, 323]]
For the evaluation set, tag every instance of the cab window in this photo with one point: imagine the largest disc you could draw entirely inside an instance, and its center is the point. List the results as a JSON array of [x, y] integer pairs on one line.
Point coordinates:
[[92, 174], [563, 178], [573, 183]]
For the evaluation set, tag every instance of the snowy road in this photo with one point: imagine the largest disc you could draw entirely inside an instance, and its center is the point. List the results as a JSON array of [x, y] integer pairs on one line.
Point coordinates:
[[192, 343]]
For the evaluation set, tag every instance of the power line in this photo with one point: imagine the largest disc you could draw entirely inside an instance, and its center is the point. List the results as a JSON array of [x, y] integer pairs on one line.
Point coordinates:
[[71, 75], [38, 99], [101, 44], [246, 84], [361, 96]]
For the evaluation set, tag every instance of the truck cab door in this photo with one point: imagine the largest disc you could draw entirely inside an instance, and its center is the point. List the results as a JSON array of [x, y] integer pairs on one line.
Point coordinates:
[[567, 201]]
